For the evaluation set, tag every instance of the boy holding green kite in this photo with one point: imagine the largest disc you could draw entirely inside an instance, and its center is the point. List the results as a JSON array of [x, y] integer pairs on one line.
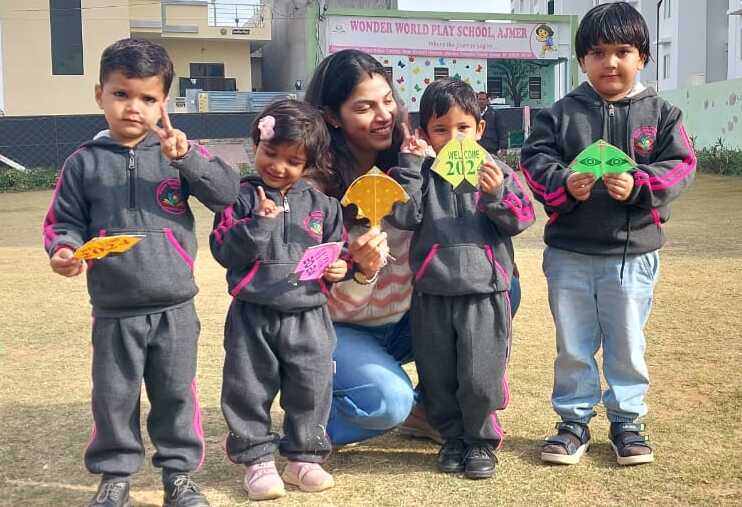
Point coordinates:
[[606, 205]]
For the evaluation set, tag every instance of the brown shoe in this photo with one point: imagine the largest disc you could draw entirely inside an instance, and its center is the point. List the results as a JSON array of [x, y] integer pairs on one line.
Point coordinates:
[[417, 426]]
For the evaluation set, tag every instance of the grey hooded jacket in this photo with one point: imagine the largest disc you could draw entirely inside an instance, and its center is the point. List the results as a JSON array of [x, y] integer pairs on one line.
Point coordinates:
[[260, 253], [644, 126], [461, 242], [107, 189]]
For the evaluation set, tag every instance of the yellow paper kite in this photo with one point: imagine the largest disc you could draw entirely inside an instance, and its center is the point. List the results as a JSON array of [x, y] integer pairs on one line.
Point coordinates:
[[458, 163], [102, 246], [374, 194]]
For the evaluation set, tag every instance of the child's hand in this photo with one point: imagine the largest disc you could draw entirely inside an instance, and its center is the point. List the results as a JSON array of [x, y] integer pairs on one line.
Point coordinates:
[[63, 263], [414, 144], [619, 185], [266, 207], [579, 185], [336, 271], [173, 142], [490, 178]]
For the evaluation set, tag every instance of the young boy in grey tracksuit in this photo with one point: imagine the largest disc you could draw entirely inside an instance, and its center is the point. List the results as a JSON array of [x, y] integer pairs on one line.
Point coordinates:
[[136, 178], [462, 257], [278, 333], [603, 235]]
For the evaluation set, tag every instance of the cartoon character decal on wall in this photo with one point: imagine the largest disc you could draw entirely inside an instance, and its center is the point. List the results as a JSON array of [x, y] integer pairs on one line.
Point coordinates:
[[545, 35]]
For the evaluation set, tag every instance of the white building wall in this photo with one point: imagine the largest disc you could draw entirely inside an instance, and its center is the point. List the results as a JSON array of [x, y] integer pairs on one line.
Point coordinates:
[[699, 40], [734, 55]]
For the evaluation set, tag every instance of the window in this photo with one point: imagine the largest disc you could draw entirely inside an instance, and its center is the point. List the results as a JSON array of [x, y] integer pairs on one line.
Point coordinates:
[[534, 88], [440, 73], [207, 70], [65, 20], [668, 8], [550, 7], [666, 67], [389, 72], [494, 87]]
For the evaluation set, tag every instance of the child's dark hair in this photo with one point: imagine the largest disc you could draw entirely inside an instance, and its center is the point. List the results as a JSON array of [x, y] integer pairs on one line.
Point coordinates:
[[297, 122], [442, 94], [333, 81], [137, 58], [613, 23]]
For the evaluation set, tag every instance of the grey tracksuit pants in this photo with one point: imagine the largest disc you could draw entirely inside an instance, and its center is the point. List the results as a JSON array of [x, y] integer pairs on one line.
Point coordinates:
[[161, 349], [461, 345], [266, 351]]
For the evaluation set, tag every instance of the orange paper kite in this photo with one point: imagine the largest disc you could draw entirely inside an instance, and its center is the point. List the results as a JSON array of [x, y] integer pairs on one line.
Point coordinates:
[[374, 194], [102, 246]]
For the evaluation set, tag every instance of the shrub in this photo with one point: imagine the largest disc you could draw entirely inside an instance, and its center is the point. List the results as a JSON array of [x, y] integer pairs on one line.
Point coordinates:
[[39, 178], [719, 159]]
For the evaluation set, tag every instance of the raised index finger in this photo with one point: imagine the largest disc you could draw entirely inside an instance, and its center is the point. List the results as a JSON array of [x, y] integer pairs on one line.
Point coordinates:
[[261, 194], [165, 118]]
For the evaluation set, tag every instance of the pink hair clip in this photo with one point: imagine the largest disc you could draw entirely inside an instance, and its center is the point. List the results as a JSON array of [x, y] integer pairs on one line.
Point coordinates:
[[265, 126]]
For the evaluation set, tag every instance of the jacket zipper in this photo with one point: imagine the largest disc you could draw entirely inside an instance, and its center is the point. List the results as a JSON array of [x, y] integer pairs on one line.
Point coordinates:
[[611, 115], [286, 211], [457, 208], [130, 172]]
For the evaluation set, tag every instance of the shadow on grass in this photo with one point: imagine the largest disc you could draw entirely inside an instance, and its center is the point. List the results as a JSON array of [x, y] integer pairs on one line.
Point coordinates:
[[527, 450]]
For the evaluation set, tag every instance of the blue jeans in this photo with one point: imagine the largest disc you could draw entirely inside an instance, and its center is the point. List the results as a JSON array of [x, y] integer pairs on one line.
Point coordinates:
[[372, 393], [592, 306]]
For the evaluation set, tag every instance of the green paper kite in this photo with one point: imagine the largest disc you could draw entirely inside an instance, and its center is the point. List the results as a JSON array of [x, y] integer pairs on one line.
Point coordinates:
[[602, 158], [458, 163]]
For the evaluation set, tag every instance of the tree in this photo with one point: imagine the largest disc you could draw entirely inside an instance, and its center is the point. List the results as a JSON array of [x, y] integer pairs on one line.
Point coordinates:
[[515, 74]]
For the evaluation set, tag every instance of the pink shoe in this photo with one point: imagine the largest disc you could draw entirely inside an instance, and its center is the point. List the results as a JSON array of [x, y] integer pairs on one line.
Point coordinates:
[[310, 477], [262, 482]]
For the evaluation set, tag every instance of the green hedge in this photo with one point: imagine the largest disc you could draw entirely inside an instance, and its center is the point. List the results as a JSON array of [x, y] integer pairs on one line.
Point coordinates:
[[39, 178], [720, 159]]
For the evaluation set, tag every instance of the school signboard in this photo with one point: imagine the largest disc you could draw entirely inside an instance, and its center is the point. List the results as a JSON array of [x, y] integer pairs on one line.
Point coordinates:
[[440, 38]]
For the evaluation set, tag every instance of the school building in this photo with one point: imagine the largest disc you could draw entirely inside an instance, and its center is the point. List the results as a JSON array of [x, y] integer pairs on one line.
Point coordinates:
[[519, 60], [50, 49]]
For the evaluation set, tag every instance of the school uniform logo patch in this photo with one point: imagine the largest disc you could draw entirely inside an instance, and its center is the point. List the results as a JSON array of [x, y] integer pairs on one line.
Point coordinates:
[[644, 139], [169, 197], [313, 224]]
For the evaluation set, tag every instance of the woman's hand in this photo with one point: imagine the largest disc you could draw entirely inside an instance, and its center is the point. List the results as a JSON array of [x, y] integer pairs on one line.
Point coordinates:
[[370, 251]]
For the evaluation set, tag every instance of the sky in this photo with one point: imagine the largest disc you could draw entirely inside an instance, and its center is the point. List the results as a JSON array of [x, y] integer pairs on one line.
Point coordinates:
[[502, 6]]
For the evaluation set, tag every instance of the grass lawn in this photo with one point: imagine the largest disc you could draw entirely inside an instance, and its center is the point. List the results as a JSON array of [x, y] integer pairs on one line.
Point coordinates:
[[694, 354]]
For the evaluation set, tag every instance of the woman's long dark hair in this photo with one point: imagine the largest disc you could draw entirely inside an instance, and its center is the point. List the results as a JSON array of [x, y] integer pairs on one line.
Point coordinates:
[[332, 83]]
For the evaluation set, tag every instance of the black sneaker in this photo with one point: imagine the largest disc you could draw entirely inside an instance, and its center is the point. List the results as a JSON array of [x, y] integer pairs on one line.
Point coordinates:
[[569, 444], [451, 456], [111, 493], [630, 446], [480, 462], [181, 491]]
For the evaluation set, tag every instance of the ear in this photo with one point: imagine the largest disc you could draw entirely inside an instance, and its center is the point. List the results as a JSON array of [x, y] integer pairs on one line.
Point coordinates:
[[582, 65], [99, 95], [331, 119], [480, 130]]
